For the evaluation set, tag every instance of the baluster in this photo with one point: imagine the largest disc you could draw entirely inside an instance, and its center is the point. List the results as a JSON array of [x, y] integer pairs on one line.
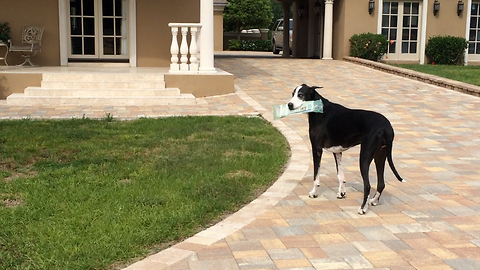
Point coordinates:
[[193, 49], [174, 66], [184, 50]]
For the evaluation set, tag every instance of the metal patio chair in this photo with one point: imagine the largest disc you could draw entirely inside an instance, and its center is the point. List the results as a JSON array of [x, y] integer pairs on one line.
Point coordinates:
[[31, 43]]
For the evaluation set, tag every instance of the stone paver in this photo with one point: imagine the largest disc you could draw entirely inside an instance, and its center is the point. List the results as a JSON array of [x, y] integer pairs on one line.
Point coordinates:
[[429, 222]]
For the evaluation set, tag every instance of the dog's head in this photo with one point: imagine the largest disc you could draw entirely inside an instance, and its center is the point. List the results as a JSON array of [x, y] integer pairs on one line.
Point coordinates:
[[301, 94]]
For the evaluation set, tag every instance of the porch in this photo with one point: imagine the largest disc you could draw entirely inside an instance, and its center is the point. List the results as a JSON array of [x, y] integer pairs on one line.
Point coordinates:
[[108, 84]]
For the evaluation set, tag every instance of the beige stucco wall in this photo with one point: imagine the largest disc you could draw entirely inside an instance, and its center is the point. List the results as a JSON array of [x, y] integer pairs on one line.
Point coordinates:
[[218, 30], [153, 34], [20, 13], [350, 17], [201, 85], [16, 82]]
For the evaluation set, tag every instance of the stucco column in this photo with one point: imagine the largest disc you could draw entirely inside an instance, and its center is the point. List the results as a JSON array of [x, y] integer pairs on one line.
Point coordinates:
[[206, 37], [286, 28], [328, 30]]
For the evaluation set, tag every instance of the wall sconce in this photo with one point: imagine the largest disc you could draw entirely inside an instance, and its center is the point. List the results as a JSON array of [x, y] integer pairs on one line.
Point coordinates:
[[371, 6], [301, 11], [459, 7], [436, 7], [317, 8]]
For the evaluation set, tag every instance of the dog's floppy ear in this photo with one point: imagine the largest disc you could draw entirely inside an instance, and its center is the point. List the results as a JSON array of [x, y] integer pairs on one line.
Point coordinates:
[[313, 88]]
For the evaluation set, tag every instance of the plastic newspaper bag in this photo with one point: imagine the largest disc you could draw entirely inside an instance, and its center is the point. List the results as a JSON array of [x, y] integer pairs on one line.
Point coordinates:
[[280, 111]]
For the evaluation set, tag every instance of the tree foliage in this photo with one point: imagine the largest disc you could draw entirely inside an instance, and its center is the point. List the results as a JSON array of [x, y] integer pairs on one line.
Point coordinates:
[[246, 14]]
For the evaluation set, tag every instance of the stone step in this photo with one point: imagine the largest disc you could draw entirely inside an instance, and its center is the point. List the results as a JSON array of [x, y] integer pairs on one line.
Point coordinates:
[[106, 84], [78, 77], [109, 92], [23, 100]]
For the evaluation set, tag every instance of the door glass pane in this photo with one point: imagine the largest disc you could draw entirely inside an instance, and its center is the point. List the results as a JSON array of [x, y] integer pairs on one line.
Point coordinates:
[[88, 7], [474, 9], [108, 45], [413, 47], [386, 7], [118, 46], [118, 26], [414, 34], [107, 27], [76, 7], [76, 45], [107, 7], [392, 47], [394, 8], [473, 22], [471, 48], [385, 21], [472, 35], [415, 8], [406, 8], [414, 21], [89, 26], [405, 34], [393, 21], [393, 34], [404, 47], [118, 8], [89, 46], [75, 26]]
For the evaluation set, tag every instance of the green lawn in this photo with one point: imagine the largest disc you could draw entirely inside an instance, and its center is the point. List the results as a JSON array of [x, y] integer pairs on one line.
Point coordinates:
[[97, 194], [467, 74]]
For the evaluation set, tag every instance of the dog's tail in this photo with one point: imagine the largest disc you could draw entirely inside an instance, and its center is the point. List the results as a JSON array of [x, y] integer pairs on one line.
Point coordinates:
[[390, 159]]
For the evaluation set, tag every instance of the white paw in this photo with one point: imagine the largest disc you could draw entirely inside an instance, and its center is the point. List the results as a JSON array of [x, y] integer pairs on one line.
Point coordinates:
[[341, 195], [361, 211], [312, 194]]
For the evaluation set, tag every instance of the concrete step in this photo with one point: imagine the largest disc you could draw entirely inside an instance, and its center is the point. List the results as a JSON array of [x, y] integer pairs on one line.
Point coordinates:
[[23, 100], [102, 76], [104, 84], [101, 92]]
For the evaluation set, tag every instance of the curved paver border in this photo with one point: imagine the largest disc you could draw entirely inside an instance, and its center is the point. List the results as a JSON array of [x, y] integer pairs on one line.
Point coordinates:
[[285, 184]]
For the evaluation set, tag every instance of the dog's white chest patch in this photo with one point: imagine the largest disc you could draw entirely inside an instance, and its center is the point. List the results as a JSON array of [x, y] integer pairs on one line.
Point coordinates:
[[336, 149]]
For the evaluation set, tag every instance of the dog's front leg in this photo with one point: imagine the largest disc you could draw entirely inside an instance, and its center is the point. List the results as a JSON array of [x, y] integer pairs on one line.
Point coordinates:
[[342, 191], [317, 157]]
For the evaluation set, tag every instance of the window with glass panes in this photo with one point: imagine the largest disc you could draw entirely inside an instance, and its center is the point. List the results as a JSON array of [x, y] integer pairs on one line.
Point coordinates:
[[474, 36]]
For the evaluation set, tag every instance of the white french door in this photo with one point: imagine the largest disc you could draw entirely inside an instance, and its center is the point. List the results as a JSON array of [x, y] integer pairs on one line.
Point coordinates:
[[474, 33], [401, 25], [98, 30]]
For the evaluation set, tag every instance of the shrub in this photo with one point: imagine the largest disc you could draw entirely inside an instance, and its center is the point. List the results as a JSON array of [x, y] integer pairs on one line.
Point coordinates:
[[249, 45], [446, 50], [368, 46], [4, 32]]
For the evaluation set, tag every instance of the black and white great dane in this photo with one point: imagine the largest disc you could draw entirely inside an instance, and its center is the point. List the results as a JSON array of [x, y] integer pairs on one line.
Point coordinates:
[[338, 129]]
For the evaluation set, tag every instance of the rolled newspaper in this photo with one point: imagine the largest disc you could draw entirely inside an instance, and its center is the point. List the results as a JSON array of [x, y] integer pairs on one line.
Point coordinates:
[[280, 111]]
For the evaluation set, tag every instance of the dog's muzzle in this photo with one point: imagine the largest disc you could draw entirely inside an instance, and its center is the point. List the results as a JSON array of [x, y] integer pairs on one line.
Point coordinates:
[[290, 106]]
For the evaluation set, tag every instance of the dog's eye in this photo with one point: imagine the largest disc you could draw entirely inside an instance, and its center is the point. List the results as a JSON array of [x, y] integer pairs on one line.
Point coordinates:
[[300, 95]]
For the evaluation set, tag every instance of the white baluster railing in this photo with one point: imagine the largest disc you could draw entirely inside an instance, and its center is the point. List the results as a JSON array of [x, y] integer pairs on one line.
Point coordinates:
[[189, 53]]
